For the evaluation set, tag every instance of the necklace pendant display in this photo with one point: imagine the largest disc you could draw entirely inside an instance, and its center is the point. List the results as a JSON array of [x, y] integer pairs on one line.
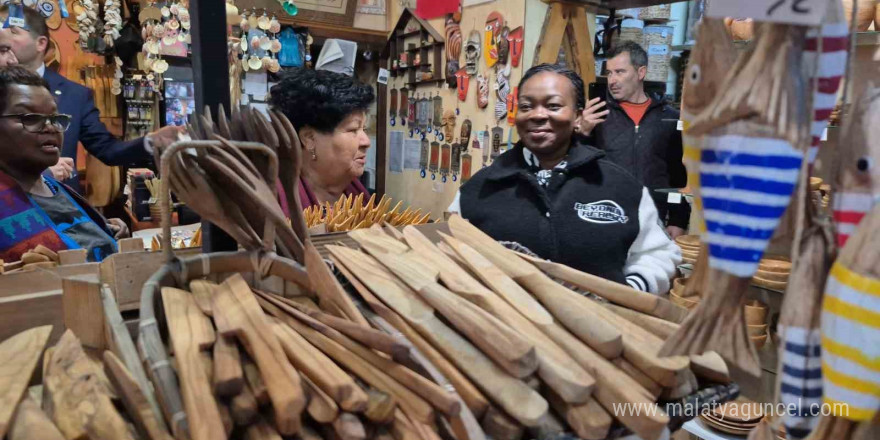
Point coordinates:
[[434, 164], [423, 158], [455, 166], [445, 160]]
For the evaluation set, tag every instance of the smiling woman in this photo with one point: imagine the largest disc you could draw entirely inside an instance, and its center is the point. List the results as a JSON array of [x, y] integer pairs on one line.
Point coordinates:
[[560, 198], [37, 210], [328, 110]]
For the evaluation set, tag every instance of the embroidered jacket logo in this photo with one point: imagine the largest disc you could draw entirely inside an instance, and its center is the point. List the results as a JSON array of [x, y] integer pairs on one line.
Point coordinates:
[[603, 211]]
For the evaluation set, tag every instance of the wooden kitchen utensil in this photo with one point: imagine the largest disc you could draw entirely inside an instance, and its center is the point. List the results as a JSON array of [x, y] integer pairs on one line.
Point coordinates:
[[21, 353], [520, 401]]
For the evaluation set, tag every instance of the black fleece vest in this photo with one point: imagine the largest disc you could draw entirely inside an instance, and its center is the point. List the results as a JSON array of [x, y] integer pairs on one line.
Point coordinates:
[[588, 219]]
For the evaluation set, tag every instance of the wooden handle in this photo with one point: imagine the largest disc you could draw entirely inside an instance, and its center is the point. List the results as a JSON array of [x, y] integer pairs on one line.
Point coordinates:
[[21, 354], [660, 327], [139, 409], [613, 386], [182, 315], [373, 376], [321, 407], [496, 339], [244, 318], [472, 397], [579, 314], [615, 292], [520, 401], [243, 407], [228, 375], [588, 420]]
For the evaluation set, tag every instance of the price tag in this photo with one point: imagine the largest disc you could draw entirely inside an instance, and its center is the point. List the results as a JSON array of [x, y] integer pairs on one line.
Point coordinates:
[[383, 76], [679, 125], [658, 49], [674, 198], [803, 12]]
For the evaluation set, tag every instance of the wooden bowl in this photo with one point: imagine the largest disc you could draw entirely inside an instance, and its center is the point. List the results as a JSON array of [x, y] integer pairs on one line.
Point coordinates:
[[756, 312], [678, 286], [757, 330], [687, 303], [775, 264], [772, 276], [768, 284], [687, 260], [691, 241], [691, 255], [759, 341]]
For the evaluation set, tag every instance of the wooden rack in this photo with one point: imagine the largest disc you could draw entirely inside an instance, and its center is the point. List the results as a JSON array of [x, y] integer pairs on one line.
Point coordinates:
[[429, 49]]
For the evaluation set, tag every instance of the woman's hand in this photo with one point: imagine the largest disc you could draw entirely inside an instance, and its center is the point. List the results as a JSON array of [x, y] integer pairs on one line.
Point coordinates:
[[118, 228], [591, 116]]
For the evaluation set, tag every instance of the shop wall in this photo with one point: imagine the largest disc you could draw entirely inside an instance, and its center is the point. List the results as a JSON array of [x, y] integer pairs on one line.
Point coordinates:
[[433, 195]]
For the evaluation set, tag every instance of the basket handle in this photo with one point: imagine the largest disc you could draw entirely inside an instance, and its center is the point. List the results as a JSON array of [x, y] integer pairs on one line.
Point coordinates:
[[165, 196]]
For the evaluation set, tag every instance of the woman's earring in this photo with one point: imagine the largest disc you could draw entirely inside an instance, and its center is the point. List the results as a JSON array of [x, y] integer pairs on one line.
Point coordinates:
[[314, 156]]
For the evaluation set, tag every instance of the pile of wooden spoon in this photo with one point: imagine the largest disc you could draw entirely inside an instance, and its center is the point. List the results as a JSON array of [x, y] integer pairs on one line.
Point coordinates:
[[517, 345], [350, 212]]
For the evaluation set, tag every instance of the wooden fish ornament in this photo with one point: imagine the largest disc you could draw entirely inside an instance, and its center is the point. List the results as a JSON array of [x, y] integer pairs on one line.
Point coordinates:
[[749, 166]]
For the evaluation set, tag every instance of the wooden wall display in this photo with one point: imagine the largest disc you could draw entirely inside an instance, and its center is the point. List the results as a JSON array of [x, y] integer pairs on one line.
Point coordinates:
[[433, 195]]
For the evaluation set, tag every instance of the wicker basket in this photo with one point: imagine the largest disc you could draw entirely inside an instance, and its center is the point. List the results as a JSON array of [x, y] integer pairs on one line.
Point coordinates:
[[177, 272], [657, 12], [631, 30]]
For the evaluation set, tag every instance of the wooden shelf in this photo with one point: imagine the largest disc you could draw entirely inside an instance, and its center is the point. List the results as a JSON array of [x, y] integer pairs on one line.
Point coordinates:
[[410, 67], [426, 81], [409, 34], [425, 46]]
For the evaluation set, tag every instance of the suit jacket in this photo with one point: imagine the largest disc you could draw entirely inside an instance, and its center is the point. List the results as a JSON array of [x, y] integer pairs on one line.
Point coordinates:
[[86, 127]]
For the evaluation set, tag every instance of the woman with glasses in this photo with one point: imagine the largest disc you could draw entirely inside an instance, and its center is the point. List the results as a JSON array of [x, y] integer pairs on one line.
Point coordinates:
[[34, 209]]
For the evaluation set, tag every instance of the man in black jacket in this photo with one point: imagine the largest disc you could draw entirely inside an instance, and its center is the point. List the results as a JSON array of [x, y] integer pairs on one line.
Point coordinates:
[[640, 134]]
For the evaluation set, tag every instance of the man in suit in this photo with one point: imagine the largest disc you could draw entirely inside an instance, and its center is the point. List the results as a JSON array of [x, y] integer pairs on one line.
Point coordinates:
[[7, 56], [29, 45]]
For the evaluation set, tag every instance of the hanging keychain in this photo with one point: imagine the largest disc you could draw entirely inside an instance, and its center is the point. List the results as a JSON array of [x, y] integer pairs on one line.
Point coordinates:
[[497, 134], [482, 91], [429, 114], [486, 145], [411, 112], [404, 105], [424, 110], [445, 152], [466, 167], [423, 158], [438, 117], [456, 161], [434, 164], [393, 111]]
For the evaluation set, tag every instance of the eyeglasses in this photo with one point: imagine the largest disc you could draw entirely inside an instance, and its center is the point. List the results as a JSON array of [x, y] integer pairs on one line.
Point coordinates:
[[35, 122]]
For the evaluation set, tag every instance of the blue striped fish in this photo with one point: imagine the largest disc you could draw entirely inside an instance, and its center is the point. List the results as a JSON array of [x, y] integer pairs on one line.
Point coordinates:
[[746, 184], [800, 379]]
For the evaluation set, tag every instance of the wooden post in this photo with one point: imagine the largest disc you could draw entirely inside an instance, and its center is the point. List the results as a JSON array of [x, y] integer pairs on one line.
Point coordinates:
[[562, 16]]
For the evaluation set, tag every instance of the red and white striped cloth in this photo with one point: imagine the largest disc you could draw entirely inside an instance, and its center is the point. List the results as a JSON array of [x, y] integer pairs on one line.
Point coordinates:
[[831, 67]]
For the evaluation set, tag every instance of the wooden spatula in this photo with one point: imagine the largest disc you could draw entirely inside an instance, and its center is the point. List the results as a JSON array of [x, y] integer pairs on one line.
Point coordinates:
[[520, 401]]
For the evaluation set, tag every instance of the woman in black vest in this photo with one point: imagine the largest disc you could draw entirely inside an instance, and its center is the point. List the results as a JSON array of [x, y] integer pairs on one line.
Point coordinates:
[[561, 199]]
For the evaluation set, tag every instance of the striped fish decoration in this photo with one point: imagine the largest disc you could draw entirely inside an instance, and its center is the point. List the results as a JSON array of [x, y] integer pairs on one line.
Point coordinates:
[[851, 343], [800, 379], [746, 184], [834, 34], [850, 208]]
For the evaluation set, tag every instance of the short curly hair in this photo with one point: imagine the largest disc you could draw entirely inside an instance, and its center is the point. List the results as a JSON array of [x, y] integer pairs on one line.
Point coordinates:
[[319, 99], [17, 76], [576, 82]]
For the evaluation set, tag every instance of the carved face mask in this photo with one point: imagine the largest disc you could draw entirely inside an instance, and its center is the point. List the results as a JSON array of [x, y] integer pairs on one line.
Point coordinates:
[[449, 123], [451, 68], [503, 45], [472, 52]]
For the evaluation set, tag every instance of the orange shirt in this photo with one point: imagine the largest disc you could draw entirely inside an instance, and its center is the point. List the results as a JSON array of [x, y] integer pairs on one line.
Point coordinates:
[[635, 111]]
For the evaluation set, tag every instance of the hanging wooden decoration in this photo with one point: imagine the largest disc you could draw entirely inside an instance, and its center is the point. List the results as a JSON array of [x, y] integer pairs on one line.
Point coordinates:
[[453, 49], [445, 159], [486, 143], [429, 115], [515, 38], [482, 91], [465, 136], [438, 115], [503, 45], [512, 104], [434, 163], [456, 161], [411, 111], [448, 124], [472, 53], [502, 90], [466, 167], [423, 109], [392, 111], [494, 22], [497, 133], [463, 80], [404, 105], [423, 158]]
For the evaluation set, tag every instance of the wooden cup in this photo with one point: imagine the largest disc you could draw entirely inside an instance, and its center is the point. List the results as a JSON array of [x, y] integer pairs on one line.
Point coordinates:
[[757, 330], [759, 341], [756, 313]]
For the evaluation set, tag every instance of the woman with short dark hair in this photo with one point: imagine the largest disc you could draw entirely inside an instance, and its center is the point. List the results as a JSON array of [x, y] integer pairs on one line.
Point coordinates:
[[561, 199], [328, 110], [34, 209]]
